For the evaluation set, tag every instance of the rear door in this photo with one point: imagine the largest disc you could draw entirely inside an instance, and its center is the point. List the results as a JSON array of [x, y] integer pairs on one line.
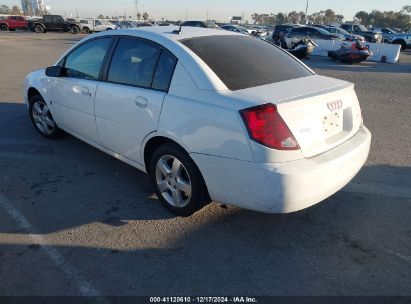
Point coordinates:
[[129, 101], [22, 23]]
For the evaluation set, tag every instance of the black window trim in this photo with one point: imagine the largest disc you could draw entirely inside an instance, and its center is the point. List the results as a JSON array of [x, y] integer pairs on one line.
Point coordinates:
[[107, 64]]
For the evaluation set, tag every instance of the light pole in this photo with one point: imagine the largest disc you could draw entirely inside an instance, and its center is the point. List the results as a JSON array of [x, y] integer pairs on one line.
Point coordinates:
[[306, 12], [306, 8]]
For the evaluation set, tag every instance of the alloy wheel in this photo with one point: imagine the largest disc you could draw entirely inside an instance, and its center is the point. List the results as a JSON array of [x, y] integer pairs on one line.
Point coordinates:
[[173, 181], [42, 117]]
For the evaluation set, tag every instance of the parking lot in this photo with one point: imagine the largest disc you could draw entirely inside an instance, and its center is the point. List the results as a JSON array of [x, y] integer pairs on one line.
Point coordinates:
[[75, 221]]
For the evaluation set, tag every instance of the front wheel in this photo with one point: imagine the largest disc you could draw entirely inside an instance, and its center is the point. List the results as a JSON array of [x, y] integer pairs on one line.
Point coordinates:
[[177, 181], [42, 119], [39, 29], [86, 30]]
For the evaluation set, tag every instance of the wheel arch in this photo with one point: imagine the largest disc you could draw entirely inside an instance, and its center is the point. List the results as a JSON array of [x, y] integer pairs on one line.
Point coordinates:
[[156, 141], [402, 41], [31, 92]]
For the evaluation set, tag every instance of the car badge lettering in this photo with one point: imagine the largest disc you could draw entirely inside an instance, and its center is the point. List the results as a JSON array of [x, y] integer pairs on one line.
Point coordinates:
[[335, 105]]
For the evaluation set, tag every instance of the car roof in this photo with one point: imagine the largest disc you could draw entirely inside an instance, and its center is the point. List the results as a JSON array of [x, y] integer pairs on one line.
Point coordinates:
[[161, 32], [202, 75]]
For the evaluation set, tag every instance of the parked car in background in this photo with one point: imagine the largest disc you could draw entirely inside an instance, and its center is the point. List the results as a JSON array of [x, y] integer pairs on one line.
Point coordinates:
[[51, 23], [235, 28], [393, 37], [359, 29], [124, 25], [347, 36], [258, 31], [11, 23], [88, 26], [208, 114], [204, 24], [285, 28], [312, 32], [144, 24]]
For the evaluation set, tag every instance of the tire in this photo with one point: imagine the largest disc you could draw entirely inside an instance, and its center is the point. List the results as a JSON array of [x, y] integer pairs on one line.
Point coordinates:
[[400, 42], [41, 120], [4, 27], [86, 30], [174, 175], [39, 29], [74, 30]]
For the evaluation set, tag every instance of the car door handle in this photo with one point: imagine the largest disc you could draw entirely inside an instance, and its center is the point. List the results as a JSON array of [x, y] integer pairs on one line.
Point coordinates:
[[86, 91], [141, 102]]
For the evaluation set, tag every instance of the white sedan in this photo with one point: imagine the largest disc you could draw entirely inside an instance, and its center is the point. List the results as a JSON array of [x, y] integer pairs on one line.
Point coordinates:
[[210, 115]]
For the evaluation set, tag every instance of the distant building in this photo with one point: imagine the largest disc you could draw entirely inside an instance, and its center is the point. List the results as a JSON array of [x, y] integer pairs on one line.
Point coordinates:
[[33, 7], [236, 19]]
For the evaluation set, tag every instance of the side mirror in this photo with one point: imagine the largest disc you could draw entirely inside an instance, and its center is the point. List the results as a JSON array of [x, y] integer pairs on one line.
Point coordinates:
[[54, 71]]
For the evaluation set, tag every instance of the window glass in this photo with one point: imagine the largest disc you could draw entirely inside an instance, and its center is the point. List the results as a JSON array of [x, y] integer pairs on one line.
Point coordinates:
[[164, 71], [301, 30], [86, 61], [133, 63], [243, 62]]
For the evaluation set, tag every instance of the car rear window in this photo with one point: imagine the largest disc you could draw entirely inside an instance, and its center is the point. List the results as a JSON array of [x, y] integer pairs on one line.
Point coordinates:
[[243, 62]]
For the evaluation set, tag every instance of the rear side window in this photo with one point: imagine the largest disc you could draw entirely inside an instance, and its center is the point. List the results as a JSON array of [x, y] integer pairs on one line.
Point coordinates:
[[134, 62], [164, 71], [243, 62]]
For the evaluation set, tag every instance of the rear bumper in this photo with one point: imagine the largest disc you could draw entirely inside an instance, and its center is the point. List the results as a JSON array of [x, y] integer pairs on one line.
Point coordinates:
[[284, 187]]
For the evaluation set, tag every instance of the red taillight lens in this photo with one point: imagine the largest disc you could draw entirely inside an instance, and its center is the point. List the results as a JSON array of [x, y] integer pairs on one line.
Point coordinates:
[[266, 127]]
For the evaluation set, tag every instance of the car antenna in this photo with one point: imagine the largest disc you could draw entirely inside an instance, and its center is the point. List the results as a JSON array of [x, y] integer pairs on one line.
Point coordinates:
[[178, 32]]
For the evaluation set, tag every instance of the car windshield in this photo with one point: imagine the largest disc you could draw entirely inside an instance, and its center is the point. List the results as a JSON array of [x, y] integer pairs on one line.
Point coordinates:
[[241, 28], [322, 31], [243, 62], [362, 28], [342, 31]]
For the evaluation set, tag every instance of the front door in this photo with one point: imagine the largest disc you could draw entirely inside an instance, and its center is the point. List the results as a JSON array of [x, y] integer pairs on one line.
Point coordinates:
[[74, 94]]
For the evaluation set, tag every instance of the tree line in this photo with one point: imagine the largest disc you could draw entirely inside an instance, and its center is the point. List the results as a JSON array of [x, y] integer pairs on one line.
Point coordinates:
[[400, 19], [5, 10]]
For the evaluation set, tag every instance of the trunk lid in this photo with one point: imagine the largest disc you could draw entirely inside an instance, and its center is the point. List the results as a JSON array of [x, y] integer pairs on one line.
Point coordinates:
[[321, 112]]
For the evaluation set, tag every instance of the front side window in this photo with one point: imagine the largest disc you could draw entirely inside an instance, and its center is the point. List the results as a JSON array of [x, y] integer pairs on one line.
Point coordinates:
[[86, 61], [243, 62], [133, 63]]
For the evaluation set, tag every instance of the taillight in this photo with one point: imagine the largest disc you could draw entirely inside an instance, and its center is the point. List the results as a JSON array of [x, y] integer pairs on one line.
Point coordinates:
[[265, 126]]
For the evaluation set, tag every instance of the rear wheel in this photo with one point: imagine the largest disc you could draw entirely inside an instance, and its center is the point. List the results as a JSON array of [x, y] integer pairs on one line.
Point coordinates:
[[177, 181], [42, 119], [4, 27], [39, 29], [74, 30]]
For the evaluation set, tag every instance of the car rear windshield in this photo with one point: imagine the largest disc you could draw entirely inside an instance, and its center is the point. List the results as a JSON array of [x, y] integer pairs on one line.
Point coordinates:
[[243, 62]]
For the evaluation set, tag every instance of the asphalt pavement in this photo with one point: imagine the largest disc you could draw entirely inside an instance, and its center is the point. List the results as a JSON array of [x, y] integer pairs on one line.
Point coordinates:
[[75, 221]]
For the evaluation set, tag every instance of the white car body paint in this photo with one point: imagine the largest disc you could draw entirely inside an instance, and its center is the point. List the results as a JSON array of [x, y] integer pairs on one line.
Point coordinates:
[[202, 115]]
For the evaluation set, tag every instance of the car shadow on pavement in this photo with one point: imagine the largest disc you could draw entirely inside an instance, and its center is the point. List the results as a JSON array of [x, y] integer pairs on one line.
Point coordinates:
[[101, 216]]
